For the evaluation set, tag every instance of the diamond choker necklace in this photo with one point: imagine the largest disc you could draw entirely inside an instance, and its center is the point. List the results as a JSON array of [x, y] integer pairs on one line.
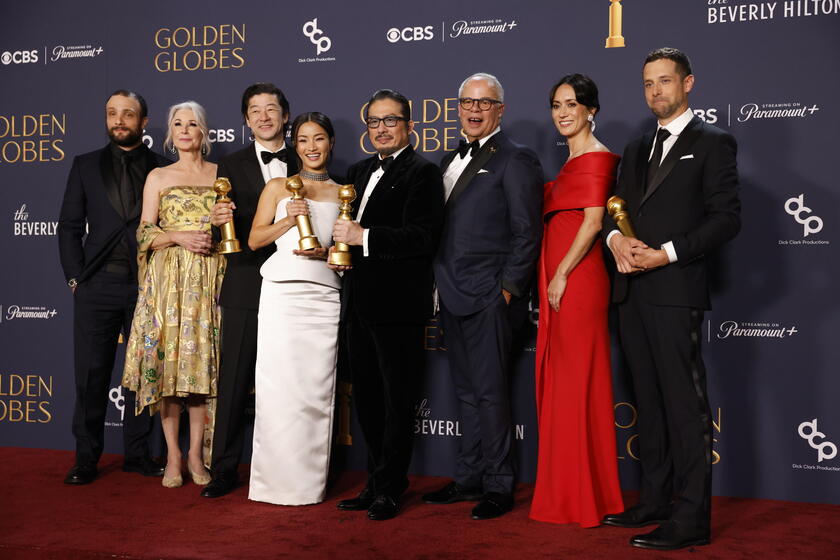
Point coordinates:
[[314, 176]]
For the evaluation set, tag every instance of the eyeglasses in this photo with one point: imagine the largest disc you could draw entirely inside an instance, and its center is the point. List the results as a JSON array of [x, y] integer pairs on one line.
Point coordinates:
[[390, 121], [484, 103]]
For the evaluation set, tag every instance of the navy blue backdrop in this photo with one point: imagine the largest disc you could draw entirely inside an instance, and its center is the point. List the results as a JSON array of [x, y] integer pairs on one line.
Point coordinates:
[[766, 71]]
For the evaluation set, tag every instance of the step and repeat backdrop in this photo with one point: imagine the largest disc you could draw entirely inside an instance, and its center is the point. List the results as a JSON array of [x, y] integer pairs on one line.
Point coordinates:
[[766, 71]]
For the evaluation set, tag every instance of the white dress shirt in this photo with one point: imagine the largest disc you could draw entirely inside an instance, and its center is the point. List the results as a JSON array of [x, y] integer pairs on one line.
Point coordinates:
[[274, 168], [457, 166], [371, 185], [675, 127]]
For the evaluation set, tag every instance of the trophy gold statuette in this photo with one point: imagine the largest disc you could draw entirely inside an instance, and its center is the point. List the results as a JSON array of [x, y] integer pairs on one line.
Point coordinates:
[[229, 243], [340, 256], [307, 239], [616, 39], [616, 209]]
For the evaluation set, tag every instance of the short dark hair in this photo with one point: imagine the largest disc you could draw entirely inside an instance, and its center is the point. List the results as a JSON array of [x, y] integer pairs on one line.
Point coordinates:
[[264, 87], [321, 120], [586, 92], [679, 57], [393, 96], [144, 109]]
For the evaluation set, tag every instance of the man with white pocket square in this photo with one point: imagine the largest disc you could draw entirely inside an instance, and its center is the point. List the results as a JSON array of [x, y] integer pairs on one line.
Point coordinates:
[[680, 184], [483, 270]]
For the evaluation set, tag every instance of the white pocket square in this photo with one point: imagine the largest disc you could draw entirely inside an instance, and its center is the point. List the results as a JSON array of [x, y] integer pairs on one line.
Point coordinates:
[[688, 156], [482, 171]]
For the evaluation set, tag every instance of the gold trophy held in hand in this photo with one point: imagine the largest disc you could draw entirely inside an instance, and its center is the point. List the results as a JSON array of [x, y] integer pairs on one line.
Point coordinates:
[[308, 240], [229, 243], [616, 208], [340, 255]]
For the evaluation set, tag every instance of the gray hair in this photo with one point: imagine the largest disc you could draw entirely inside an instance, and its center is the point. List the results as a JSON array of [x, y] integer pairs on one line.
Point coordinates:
[[490, 79], [200, 119]]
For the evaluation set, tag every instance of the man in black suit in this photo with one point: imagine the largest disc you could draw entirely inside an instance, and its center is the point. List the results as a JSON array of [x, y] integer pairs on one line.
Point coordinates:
[[266, 112], [681, 189], [105, 192], [387, 295], [483, 269]]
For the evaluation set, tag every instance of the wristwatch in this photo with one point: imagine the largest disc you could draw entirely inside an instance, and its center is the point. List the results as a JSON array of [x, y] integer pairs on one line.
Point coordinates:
[[72, 283]]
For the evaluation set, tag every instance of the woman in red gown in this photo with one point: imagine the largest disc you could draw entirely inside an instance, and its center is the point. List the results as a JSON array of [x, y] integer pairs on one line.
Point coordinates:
[[577, 468]]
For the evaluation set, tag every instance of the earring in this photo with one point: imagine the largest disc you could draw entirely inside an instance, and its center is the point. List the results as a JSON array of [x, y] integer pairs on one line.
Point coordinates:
[[203, 151], [590, 118], [172, 148]]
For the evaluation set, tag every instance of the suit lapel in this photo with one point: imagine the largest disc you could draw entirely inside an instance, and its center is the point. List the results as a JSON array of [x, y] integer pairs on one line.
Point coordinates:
[[686, 139], [361, 185], [447, 159], [474, 166], [251, 168], [150, 163], [109, 182]]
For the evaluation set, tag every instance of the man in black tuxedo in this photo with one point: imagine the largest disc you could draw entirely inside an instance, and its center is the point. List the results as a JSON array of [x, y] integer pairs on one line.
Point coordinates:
[[483, 269], [681, 189], [387, 295], [105, 192], [266, 112]]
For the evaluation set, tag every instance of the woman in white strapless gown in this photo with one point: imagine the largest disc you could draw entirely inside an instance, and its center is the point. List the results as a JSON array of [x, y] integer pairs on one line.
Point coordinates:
[[297, 337]]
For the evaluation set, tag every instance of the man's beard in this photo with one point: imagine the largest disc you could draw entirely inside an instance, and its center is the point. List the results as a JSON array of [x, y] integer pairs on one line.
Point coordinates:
[[130, 139]]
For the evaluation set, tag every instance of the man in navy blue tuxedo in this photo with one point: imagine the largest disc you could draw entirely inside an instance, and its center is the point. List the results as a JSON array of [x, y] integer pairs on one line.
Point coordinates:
[[483, 269]]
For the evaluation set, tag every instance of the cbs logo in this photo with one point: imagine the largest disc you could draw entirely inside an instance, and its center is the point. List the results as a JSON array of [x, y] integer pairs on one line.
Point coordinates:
[[19, 57], [410, 34], [708, 115], [221, 135]]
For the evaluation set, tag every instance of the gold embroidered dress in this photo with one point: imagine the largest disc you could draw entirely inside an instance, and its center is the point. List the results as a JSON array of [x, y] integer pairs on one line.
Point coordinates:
[[173, 348]]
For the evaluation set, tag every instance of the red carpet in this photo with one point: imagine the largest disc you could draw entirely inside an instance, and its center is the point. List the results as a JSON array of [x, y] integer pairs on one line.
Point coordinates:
[[128, 516]]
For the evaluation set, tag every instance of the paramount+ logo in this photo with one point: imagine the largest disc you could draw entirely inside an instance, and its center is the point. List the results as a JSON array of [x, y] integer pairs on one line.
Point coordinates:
[[410, 34], [19, 57]]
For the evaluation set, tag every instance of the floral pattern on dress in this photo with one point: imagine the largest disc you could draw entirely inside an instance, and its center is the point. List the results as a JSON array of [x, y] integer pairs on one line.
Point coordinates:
[[173, 347]]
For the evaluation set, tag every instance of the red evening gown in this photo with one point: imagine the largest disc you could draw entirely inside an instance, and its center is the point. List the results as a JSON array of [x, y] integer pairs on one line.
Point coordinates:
[[577, 467]]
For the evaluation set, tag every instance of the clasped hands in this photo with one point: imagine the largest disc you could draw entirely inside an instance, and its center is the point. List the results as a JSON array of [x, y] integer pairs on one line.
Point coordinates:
[[633, 256]]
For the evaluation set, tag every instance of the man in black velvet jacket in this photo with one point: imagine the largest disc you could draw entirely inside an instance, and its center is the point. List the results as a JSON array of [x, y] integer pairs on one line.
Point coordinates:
[[387, 295]]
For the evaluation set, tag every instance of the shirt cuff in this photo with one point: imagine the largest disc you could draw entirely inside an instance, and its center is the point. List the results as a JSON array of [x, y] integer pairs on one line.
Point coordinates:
[[610, 236], [669, 249], [365, 251]]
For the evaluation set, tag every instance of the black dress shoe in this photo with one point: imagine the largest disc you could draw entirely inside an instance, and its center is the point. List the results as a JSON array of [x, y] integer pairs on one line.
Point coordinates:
[[383, 507], [638, 516], [81, 474], [144, 466], [222, 483], [360, 503], [669, 536], [493, 504], [451, 493]]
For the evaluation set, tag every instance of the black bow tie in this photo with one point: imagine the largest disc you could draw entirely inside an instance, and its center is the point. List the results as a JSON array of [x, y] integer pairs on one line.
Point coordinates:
[[268, 156], [384, 163], [472, 147]]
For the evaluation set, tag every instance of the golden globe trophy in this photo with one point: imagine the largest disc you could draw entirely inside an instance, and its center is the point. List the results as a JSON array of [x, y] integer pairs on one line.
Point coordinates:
[[340, 256], [616, 209], [615, 39], [229, 243], [307, 239]]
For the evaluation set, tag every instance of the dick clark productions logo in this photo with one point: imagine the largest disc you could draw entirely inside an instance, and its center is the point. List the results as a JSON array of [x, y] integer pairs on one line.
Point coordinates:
[[825, 449], [810, 224], [316, 36]]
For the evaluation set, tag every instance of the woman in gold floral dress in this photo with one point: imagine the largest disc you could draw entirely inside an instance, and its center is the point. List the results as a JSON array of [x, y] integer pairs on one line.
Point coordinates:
[[172, 357]]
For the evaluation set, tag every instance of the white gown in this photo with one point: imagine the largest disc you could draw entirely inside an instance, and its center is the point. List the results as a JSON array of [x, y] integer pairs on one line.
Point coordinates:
[[297, 343]]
